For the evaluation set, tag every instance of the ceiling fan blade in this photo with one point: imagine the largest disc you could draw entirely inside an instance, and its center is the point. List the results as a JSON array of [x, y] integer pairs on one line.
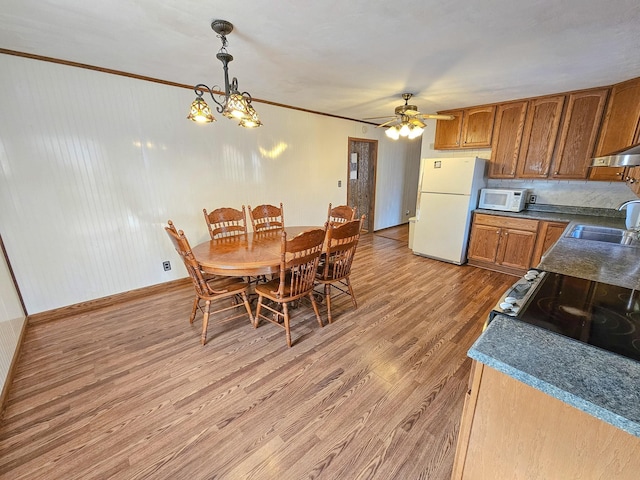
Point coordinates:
[[377, 118], [386, 123], [435, 116]]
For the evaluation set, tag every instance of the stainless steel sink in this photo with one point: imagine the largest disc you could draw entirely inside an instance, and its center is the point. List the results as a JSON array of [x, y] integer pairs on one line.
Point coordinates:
[[603, 234]]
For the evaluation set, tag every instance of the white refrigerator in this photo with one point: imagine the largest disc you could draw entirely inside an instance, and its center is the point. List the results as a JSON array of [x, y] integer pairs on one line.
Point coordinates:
[[447, 194]]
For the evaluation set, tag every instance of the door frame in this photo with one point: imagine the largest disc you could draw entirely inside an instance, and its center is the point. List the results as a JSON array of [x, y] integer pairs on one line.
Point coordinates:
[[374, 160]]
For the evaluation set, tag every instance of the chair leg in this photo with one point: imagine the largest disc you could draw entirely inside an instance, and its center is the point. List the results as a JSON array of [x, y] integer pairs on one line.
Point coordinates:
[[205, 322], [315, 309], [285, 309], [194, 309], [257, 317], [327, 296], [247, 306], [353, 297]]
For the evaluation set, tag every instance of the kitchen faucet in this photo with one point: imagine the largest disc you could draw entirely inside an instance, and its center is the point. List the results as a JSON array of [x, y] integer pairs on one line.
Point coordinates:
[[628, 202], [633, 215]]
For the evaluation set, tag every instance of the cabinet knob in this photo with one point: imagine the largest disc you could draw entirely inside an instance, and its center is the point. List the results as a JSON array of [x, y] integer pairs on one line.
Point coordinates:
[[631, 180], [619, 174], [498, 232]]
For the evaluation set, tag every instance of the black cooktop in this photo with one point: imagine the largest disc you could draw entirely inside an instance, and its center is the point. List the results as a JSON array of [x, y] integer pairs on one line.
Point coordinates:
[[605, 316]]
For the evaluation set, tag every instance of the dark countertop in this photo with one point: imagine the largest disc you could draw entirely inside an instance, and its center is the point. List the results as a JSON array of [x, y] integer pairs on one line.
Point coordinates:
[[603, 384], [595, 381]]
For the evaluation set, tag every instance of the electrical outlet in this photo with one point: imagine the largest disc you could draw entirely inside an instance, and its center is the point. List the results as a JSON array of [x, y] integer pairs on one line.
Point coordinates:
[[339, 183], [166, 265], [532, 198]]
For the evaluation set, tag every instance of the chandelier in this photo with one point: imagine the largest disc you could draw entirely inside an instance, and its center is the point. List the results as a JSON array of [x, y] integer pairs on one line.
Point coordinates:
[[411, 127], [233, 104]]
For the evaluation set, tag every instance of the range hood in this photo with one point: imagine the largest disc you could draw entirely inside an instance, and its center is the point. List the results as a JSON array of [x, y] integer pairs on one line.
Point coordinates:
[[627, 157]]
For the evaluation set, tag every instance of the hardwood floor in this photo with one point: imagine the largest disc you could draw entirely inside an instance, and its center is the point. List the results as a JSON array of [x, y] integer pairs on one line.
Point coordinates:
[[128, 392], [400, 233]]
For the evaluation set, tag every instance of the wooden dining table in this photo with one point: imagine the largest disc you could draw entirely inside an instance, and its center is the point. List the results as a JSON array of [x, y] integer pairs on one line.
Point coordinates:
[[250, 254]]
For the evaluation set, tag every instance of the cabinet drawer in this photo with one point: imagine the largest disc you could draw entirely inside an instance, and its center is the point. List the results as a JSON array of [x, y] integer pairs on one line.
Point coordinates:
[[506, 222]]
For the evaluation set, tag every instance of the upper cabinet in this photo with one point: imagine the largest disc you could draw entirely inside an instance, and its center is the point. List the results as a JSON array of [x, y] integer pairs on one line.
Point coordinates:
[[553, 136], [477, 126], [582, 118], [620, 127], [448, 131], [505, 148], [470, 128], [539, 138]]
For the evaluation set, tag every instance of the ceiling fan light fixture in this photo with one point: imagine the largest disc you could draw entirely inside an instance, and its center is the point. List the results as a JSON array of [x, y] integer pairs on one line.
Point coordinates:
[[405, 130], [415, 132], [392, 133]]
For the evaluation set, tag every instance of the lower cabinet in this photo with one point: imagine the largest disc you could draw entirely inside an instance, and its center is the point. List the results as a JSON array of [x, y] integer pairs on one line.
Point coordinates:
[[548, 234], [502, 243], [512, 430], [508, 244]]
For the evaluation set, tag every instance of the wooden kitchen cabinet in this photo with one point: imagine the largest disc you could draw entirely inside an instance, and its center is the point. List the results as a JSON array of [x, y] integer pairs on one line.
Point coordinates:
[[470, 128], [548, 234], [539, 136], [505, 244], [448, 131], [512, 430], [507, 136], [579, 133], [477, 126], [633, 179], [620, 128]]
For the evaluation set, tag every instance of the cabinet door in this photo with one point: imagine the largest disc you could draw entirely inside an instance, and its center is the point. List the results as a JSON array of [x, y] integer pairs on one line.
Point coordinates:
[[548, 234], [507, 137], [620, 126], [539, 137], [448, 131], [516, 248], [477, 126], [633, 179], [483, 243], [579, 133], [608, 174]]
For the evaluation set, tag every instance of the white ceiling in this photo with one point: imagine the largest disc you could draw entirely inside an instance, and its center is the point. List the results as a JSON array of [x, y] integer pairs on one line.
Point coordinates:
[[348, 58]]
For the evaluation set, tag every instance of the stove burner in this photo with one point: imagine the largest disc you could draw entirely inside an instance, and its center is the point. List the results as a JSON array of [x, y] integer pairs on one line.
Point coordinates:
[[605, 316]]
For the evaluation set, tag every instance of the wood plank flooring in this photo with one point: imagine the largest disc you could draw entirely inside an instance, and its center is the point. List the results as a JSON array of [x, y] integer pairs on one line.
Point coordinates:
[[128, 392]]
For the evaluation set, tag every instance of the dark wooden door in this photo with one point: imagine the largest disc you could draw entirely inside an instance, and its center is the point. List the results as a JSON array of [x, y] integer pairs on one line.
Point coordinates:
[[361, 178]]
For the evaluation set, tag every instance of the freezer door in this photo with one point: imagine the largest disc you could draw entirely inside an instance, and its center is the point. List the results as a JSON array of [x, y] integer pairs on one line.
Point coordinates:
[[442, 230], [450, 175]]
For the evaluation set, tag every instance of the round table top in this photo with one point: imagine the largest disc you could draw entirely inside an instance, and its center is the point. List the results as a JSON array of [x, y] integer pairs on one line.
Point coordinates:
[[249, 254]]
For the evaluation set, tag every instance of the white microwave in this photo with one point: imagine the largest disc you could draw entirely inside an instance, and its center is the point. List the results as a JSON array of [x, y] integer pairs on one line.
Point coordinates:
[[505, 199]]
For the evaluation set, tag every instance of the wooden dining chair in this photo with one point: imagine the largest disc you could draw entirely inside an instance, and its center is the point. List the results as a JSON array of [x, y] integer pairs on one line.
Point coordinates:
[[208, 290], [266, 217], [298, 267], [341, 243], [225, 222], [341, 214]]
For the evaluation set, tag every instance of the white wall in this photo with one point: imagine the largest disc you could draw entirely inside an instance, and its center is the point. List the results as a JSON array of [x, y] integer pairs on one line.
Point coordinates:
[[92, 165], [578, 193]]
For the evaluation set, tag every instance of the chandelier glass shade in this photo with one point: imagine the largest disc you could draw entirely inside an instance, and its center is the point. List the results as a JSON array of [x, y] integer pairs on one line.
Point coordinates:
[[231, 103]]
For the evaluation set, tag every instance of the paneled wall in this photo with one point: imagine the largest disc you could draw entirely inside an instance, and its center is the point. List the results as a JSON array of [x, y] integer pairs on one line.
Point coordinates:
[[92, 165]]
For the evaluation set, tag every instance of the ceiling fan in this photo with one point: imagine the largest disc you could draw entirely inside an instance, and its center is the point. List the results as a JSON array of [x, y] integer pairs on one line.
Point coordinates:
[[408, 121]]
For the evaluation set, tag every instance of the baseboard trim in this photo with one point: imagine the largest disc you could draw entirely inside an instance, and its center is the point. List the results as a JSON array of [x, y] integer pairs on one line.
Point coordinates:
[[85, 307]]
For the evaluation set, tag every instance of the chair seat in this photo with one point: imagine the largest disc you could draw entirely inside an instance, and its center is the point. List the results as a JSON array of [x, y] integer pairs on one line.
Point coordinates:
[[227, 284], [270, 288]]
